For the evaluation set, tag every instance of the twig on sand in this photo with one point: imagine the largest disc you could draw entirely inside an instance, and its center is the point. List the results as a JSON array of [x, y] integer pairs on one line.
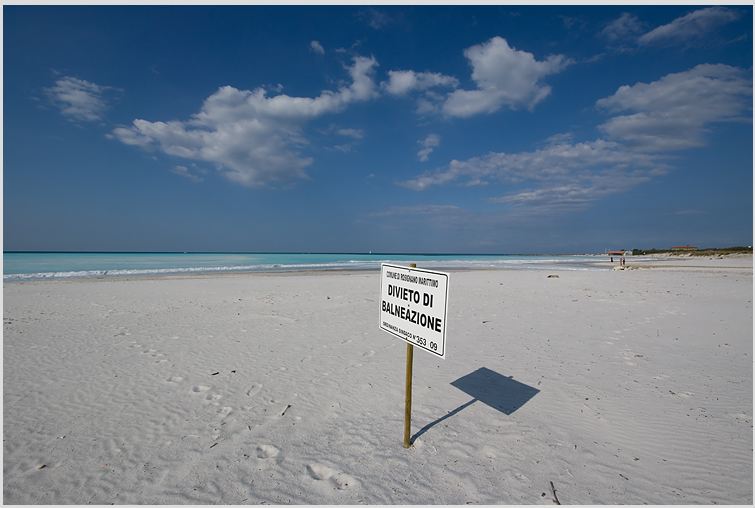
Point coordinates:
[[284, 411], [555, 497]]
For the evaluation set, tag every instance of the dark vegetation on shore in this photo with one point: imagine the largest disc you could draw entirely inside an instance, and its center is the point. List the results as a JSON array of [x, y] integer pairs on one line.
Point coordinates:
[[723, 251]]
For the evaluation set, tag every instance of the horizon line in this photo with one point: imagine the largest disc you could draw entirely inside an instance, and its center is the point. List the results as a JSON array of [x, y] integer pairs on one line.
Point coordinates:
[[368, 253]]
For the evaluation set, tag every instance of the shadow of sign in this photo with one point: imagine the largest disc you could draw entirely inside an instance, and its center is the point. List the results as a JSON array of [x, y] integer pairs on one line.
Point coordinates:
[[502, 393], [497, 391]]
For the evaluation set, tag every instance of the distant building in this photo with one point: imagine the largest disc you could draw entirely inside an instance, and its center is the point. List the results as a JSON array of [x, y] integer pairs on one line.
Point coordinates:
[[619, 253], [683, 247]]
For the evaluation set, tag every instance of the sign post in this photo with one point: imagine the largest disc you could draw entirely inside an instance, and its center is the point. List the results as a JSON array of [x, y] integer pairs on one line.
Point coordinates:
[[408, 396], [413, 307]]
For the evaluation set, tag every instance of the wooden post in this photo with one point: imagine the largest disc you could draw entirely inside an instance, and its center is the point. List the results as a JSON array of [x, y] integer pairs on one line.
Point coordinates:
[[408, 398]]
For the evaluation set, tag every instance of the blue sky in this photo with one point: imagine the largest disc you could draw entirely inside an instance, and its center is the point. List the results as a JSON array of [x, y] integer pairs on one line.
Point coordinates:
[[495, 129]]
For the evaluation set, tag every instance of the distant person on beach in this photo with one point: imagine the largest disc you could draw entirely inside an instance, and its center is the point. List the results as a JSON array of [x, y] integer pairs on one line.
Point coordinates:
[[611, 259]]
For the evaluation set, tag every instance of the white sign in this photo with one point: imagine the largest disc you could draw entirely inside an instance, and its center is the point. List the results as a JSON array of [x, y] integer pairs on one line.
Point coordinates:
[[413, 306]]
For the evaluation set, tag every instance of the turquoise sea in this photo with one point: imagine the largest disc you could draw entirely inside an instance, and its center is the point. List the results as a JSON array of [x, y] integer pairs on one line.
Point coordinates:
[[62, 265]]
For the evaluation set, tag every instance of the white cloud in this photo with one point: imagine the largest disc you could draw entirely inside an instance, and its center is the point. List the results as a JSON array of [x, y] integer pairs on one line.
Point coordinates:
[[564, 196], [674, 112], [559, 138], [351, 133], [252, 138], [426, 106], [430, 143], [403, 82], [186, 173], [504, 76], [343, 148], [316, 47], [625, 27], [556, 178], [377, 19], [690, 26], [78, 99], [669, 114], [557, 162], [574, 23], [690, 211], [415, 210]]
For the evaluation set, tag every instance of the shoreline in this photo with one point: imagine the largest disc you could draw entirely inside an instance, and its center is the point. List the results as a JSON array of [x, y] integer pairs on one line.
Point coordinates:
[[651, 262]]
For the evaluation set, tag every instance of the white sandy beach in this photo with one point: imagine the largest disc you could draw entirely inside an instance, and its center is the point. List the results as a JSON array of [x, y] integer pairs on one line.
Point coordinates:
[[620, 387]]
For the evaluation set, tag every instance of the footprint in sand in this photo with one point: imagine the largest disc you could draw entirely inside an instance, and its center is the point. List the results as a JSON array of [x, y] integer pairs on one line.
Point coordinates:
[[368, 353], [489, 452], [628, 356], [267, 451], [342, 481], [199, 388], [254, 389], [320, 472], [174, 379], [338, 479]]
